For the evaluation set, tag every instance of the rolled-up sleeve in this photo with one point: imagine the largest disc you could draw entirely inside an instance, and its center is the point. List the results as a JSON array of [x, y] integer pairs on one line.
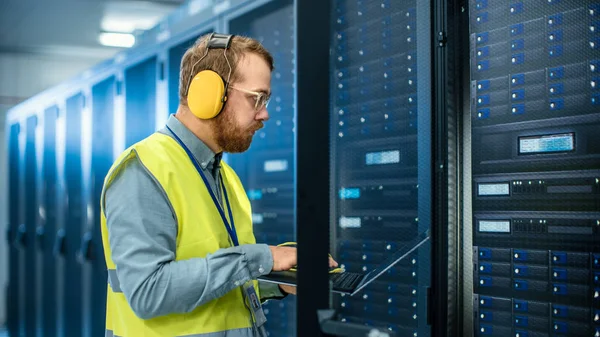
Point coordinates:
[[142, 233]]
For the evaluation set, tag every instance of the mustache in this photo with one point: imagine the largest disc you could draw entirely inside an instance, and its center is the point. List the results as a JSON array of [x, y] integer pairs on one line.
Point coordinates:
[[258, 126]]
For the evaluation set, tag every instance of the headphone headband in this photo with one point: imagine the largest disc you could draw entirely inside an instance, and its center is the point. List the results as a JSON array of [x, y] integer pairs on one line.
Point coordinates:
[[215, 41], [219, 41]]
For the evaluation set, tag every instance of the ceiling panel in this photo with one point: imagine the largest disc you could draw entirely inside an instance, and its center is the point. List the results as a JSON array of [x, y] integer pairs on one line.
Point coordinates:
[[49, 26]]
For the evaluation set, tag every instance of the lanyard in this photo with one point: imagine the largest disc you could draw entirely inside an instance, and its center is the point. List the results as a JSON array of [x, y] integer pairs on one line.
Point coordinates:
[[230, 228]]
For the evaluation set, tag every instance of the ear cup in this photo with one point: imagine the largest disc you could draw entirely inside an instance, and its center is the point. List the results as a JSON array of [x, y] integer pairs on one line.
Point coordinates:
[[206, 91]]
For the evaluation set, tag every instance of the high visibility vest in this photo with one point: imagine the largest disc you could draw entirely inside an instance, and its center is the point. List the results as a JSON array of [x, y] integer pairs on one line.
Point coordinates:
[[200, 231]]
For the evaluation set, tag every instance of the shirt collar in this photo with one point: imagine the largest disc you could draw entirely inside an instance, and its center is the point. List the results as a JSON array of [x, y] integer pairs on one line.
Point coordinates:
[[203, 154]]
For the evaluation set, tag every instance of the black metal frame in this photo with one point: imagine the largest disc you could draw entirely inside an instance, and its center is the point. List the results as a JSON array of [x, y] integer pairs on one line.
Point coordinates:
[[312, 160], [461, 79], [444, 101]]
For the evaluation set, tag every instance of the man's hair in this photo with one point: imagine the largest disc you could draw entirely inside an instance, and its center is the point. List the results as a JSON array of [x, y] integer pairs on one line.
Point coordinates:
[[215, 60]]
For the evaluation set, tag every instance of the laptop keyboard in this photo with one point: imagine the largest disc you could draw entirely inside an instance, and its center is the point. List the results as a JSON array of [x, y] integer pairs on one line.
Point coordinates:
[[346, 281]]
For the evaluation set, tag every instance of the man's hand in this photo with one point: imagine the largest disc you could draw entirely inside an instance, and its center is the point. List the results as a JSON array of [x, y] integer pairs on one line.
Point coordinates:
[[287, 289], [292, 289], [284, 258], [332, 263]]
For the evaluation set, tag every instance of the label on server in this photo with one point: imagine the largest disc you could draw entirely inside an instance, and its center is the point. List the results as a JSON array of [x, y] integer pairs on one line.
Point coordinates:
[[494, 226], [547, 143], [493, 189]]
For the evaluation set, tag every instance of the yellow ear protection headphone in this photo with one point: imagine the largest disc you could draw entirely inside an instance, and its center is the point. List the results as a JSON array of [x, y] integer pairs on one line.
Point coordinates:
[[207, 91]]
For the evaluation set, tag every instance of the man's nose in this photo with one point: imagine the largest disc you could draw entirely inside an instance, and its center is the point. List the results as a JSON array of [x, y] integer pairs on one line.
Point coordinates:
[[263, 114]]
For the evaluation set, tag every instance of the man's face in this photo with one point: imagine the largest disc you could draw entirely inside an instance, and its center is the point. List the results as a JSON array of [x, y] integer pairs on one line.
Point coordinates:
[[236, 124]]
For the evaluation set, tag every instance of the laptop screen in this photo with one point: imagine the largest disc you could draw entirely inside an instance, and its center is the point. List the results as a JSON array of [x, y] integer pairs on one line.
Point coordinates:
[[396, 257]]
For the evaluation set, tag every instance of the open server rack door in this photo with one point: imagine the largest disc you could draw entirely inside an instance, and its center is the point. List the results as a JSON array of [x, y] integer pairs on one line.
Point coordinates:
[[381, 156], [535, 115], [267, 168]]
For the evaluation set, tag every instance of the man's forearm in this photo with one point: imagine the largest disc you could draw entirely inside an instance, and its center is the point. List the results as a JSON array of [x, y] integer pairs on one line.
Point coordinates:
[[181, 286]]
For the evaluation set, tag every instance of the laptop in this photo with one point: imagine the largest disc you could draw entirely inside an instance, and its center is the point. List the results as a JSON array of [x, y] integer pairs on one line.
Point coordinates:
[[352, 283]]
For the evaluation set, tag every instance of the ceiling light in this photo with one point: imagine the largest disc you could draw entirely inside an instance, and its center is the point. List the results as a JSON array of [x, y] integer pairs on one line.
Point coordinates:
[[123, 40]]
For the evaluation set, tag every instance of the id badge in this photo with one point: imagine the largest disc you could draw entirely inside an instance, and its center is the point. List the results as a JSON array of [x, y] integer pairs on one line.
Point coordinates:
[[254, 303]]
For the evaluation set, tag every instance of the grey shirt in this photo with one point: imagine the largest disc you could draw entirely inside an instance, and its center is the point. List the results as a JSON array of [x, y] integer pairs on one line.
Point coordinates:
[[142, 231]]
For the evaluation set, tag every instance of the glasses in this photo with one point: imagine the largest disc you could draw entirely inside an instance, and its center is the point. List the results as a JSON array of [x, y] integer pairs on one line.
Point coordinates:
[[260, 99]]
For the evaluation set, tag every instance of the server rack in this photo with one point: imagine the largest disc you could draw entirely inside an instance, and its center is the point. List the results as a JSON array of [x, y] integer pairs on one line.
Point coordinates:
[[45, 233], [140, 100], [82, 251], [536, 189], [267, 169], [38, 282], [103, 109], [381, 159], [28, 269], [59, 247], [74, 216], [13, 236]]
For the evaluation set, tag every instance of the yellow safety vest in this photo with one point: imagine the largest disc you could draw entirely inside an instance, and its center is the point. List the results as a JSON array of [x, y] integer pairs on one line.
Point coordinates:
[[200, 231]]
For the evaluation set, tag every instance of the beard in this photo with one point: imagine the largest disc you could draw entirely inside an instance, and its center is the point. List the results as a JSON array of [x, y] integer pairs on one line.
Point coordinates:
[[229, 135]]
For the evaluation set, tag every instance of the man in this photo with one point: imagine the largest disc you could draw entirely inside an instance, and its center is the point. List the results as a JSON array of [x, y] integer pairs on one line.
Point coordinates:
[[176, 222]]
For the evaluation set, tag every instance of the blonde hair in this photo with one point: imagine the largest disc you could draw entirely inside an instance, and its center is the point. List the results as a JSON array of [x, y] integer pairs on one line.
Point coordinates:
[[215, 61]]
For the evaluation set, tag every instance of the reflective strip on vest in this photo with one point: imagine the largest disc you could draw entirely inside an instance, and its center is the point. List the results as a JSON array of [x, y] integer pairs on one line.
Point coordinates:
[[246, 332], [113, 280]]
